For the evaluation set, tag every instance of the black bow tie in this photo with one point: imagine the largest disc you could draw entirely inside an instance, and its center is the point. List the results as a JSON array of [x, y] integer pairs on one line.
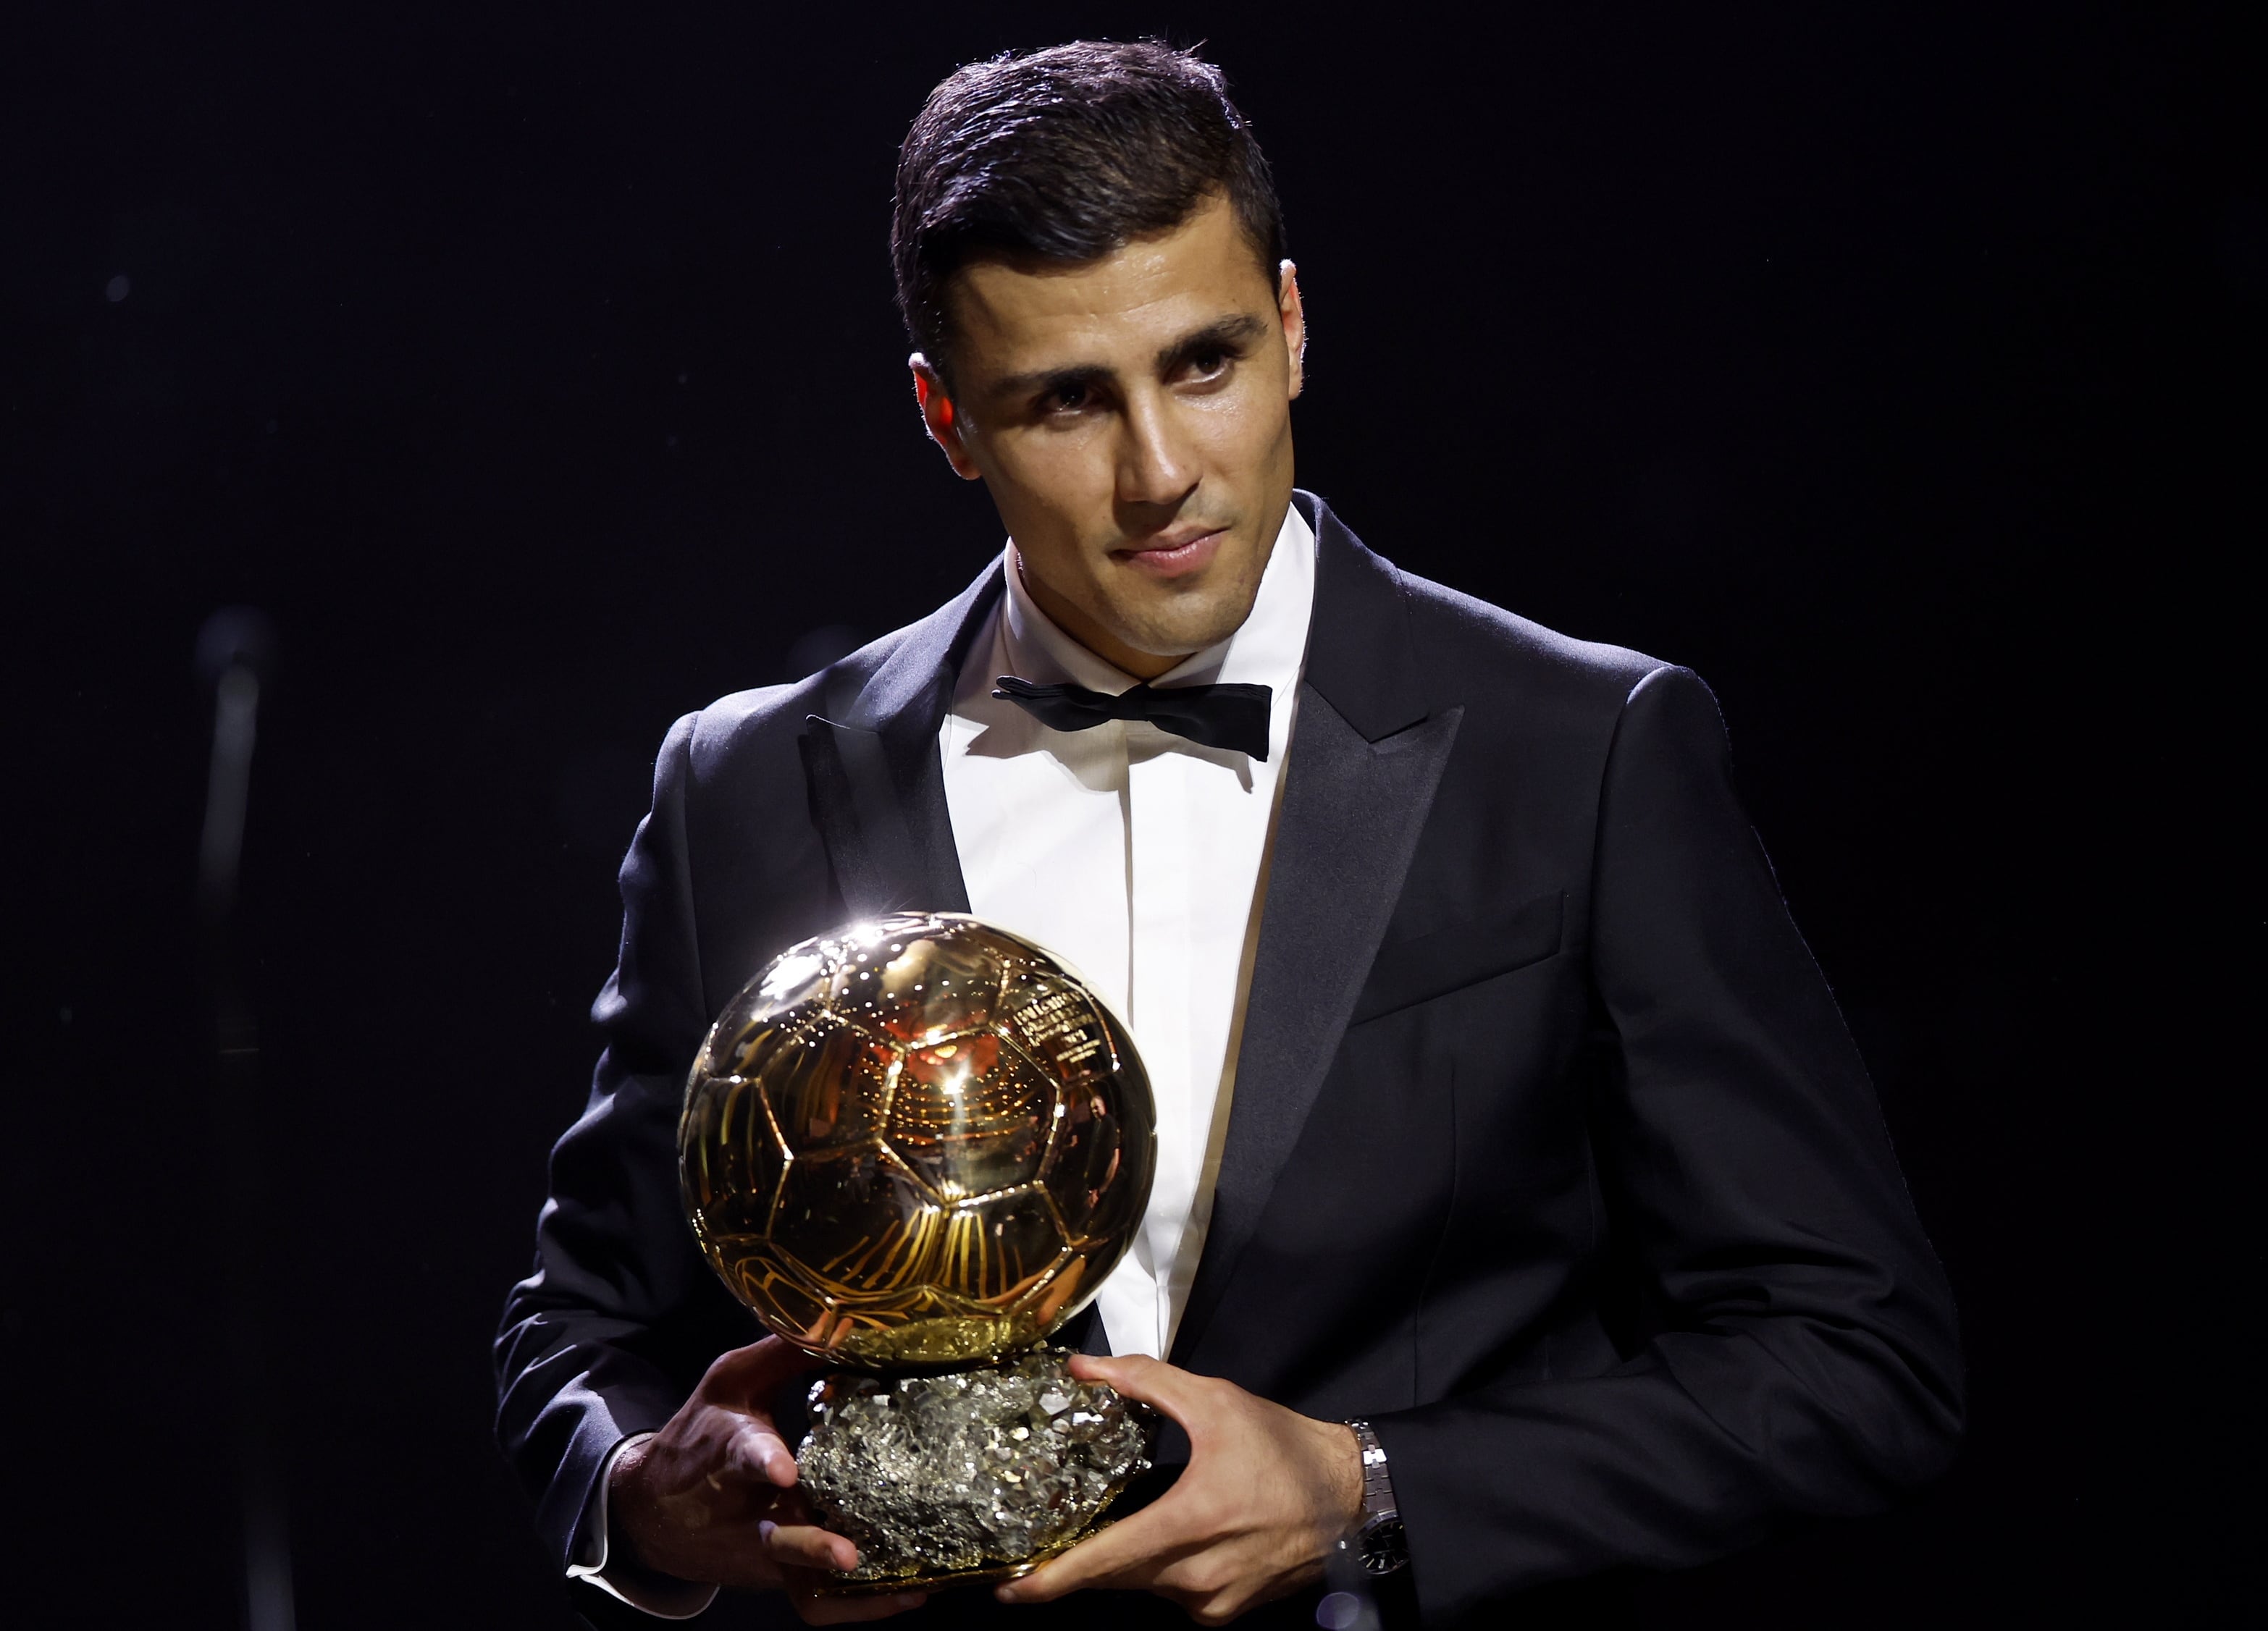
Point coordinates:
[[1234, 716]]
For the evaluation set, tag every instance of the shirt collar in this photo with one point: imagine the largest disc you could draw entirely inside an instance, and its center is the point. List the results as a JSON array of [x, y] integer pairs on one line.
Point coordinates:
[[1267, 649]]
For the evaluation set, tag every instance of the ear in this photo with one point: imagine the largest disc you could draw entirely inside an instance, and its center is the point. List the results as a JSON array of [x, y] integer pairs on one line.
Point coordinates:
[[940, 417], [1295, 321]]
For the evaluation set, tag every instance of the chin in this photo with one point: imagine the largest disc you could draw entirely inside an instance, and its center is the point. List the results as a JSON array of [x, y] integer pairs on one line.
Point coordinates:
[[1172, 619], [1179, 636]]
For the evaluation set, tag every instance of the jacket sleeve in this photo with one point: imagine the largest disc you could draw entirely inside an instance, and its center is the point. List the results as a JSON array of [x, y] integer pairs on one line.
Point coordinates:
[[1800, 1357], [605, 1338]]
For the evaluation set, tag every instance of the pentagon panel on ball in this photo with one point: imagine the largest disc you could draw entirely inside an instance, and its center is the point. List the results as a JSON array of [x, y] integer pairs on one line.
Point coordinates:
[[914, 1143]]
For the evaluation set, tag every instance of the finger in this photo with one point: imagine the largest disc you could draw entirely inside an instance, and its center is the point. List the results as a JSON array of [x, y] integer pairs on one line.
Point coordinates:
[[1180, 1393], [815, 1608], [759, 1454], [1128, 1554], [756, 1372], [805, 1546]]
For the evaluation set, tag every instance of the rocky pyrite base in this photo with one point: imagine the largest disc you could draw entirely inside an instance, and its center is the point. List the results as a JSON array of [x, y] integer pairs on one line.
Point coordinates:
[[971, 1474]]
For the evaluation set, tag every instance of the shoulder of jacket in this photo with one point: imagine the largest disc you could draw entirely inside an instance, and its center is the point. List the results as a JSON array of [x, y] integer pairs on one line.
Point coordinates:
[[1465, 640], [766, 721]]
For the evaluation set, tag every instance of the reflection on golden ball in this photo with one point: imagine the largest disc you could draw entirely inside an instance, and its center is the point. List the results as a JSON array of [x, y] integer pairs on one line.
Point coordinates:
[[916, 1141]]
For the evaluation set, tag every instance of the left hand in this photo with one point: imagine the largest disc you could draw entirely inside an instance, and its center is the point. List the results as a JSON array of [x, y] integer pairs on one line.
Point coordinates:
[[1266, 1498]]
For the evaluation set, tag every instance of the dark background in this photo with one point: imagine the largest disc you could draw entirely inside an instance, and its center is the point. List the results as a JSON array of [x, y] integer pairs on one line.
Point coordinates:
[[536, 371]]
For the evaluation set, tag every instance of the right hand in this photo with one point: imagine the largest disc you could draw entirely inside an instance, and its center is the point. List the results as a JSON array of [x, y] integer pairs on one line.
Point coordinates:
[[712, 1497]]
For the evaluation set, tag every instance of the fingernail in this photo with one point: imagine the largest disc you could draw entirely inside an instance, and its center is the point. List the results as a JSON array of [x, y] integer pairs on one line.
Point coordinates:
[[911, 1599]]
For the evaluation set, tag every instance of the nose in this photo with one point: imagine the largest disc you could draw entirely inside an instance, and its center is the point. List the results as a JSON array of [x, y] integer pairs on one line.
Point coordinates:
[[1156, 464]]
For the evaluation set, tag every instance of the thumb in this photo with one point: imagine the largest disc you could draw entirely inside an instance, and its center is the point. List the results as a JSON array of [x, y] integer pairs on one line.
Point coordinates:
[[1176, 1392]]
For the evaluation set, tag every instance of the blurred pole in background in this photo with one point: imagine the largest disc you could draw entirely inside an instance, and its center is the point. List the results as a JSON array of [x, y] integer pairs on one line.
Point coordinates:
[[232, 651]]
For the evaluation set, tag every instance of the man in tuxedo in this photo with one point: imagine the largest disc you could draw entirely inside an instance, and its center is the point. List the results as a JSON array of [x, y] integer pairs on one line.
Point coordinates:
[[1524, 1216]]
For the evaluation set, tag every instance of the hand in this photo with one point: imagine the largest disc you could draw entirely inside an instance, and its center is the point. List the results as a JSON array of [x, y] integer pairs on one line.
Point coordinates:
[[711, 1498], [1266, 1498]]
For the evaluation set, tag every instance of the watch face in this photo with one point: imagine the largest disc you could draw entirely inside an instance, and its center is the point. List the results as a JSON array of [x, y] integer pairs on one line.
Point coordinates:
[[1385, 1548]]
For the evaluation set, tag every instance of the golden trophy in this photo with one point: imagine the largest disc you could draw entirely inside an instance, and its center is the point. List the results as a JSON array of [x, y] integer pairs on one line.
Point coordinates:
[[916, 1147]]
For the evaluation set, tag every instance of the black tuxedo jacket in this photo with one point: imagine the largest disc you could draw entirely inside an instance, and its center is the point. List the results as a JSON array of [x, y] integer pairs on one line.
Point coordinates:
[[1548, 1153]]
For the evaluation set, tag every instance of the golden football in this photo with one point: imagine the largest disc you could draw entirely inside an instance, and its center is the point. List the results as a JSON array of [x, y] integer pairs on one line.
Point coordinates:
[[917, 1141]]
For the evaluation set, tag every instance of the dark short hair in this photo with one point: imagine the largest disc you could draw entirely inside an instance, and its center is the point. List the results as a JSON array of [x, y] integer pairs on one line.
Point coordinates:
[[1063, 156]]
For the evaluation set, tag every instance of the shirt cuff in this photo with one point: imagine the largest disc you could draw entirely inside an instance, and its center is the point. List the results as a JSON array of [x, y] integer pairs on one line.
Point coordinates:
[[648, 1591]]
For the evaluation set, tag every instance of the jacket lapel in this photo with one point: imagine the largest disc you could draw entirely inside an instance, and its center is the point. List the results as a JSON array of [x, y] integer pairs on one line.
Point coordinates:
[[1366, 756], [876, 780]]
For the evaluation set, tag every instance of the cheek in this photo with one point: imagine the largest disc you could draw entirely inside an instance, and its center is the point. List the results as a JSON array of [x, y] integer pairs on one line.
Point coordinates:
[[1241, 426], [1063, 474]]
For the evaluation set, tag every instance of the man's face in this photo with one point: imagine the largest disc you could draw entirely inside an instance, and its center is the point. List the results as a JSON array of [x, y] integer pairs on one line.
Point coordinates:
[[1131, 417]]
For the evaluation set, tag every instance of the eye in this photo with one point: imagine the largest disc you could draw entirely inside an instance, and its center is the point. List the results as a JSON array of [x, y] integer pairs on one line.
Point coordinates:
[[1208, 363]]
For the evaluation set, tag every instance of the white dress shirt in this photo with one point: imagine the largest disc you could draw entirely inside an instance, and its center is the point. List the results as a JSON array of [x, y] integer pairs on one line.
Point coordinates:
[[1140, 858]]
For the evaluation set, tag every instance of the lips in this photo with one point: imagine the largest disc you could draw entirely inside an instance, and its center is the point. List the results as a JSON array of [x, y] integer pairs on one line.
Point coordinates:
[[1174, 554]]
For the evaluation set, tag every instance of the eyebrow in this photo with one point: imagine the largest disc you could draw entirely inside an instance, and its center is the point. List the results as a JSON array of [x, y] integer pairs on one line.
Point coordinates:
[[1226, 334]]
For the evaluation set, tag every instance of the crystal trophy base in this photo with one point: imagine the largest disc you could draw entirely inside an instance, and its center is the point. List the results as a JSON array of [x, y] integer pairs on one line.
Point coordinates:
[[968, 1475]]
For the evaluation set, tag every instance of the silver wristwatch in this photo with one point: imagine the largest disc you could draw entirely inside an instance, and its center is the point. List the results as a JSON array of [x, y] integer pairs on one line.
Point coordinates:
[[1378, 1539]]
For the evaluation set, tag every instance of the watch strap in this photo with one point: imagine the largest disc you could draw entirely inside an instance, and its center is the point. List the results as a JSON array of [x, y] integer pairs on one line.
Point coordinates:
[[1381, 1542]]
